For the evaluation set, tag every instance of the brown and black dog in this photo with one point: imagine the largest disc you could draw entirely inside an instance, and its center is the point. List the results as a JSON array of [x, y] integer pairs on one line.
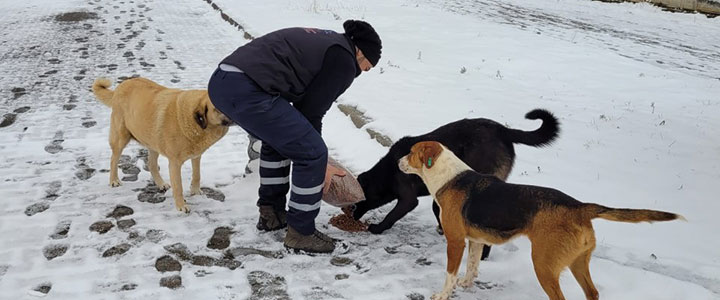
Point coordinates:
[[485, 210]]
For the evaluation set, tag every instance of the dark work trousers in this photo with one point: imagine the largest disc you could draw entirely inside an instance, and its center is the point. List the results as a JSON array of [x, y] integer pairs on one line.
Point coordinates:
[[286, 136]]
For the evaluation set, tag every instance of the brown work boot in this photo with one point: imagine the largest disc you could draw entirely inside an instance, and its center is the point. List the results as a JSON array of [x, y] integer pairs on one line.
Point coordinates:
[[271, 219], [317, 242]]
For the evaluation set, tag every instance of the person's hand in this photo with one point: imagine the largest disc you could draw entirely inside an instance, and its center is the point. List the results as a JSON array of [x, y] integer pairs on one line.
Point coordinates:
[[329, 173]]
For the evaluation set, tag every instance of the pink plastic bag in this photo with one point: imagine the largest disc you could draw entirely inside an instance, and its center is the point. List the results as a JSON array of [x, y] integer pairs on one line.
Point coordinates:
[[343, 191]]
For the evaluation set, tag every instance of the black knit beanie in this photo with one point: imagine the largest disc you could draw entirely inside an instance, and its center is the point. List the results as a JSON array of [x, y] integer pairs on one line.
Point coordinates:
[[365, 38]]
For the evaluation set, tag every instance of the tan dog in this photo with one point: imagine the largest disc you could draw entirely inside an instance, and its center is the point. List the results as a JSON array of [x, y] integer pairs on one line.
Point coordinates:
[[486, 210], [179, 124]]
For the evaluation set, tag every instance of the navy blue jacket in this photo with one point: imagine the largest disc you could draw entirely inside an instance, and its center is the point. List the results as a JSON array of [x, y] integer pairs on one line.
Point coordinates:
[[309, 67]]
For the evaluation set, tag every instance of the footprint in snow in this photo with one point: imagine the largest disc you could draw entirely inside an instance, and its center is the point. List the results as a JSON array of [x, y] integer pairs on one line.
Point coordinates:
[[56, 145]]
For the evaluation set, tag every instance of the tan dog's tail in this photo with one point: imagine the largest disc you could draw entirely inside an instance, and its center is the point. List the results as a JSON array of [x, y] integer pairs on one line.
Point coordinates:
[[629, 215], [102, 91]]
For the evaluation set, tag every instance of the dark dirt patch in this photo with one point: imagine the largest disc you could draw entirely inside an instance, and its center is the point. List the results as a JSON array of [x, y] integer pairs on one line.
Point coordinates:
[[89, 124], [128, 287], [54, 148], [52, 251], [130, 168], [125, 224], [243, 251], [167, 264], [213, 194], [423, 262], [415, 296], [356, 116], [37, 208], [342, 276], [155, 235], [135, 237], [203, 260], [53, 188], [229, 263], [126, 159], [69, 106], [340, 261], [127, 162], [44, 287], [61, 230], [180, 250], [101, 226], [76, 16], [21, 110], [151, 194], [116, 250], [131, 178], [220, 239], [18, 92], [267, 286], [120, 211], [171, 282], [391, 250], [179, 65], [483, 285], [202, 273], [8, 119], [145, 64], [319, 292], [84, 174]]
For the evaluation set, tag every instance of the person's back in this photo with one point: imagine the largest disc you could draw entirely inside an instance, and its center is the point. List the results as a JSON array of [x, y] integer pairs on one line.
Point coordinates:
[[284, 62]]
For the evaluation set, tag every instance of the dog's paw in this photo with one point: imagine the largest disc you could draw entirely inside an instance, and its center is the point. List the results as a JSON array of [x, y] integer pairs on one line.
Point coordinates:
[[184, 209], [163, 187], [440, 296], [115, 183], [196, 191], [375, 229], [466, 282]]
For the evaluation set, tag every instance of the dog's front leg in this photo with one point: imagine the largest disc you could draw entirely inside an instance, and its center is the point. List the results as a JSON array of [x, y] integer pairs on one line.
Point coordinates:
[[195, 183], [407, 201], [474, 255], [155, 170], [176, 182], [455, 249]]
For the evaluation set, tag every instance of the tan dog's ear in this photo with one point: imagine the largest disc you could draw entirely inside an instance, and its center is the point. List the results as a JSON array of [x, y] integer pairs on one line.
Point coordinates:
[[201, 118], [429, 153], [191, 102]]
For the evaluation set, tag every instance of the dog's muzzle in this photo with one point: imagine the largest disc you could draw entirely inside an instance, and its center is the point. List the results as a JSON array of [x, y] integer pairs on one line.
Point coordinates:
[[403, 165]]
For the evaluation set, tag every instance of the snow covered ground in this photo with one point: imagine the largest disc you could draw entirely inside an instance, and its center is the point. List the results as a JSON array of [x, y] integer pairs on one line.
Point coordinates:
[[634, 87]]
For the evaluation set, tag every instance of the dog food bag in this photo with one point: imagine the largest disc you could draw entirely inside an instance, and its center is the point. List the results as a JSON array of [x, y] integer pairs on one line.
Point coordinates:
[[343, 191]]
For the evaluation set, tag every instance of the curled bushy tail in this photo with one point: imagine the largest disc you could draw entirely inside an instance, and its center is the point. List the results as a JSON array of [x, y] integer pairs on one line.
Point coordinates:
[[543, 136], [630, 215], [102, 92]]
